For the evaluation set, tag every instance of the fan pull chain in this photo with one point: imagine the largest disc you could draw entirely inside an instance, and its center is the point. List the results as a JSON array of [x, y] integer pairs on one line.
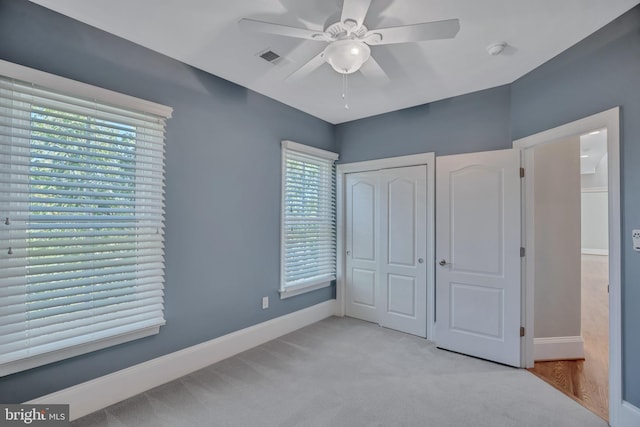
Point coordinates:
[[345, 89]]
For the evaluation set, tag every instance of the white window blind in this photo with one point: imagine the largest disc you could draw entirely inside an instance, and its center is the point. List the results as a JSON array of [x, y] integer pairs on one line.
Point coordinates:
[[308, 218], [82, 224]]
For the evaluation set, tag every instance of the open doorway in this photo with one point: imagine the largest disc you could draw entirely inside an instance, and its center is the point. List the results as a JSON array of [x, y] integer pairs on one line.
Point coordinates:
[[609, 120], [571, 344]]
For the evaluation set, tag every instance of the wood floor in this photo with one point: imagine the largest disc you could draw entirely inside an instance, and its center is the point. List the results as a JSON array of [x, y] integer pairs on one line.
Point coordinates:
[[587, 381]]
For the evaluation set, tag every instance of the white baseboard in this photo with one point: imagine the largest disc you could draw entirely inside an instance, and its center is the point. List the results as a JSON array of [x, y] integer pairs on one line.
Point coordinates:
[[589, 251], [558, 348], [629, 415], [101, 392]]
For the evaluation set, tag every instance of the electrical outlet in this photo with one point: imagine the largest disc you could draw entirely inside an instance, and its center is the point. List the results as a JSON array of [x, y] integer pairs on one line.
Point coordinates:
[[635, 234], [265, 303]]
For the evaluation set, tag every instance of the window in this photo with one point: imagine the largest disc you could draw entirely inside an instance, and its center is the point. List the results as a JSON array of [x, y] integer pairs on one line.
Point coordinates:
[[82, 211], [308, 218]]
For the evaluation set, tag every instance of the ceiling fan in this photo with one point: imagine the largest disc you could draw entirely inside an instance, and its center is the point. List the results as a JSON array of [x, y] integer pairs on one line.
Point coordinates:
[[349, 39]]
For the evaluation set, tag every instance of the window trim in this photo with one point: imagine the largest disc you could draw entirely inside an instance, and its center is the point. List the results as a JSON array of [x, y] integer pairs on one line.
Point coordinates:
[[106, 97], [82, 90], [290, 291], [77, 350]]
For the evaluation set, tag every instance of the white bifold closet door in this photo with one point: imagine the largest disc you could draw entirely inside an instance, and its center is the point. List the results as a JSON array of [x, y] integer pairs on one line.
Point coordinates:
[[386, 247]]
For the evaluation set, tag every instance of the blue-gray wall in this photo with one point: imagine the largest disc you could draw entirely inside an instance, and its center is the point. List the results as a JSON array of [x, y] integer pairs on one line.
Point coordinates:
[[601, 72], [222, 216], [222, 188], [474, 122]]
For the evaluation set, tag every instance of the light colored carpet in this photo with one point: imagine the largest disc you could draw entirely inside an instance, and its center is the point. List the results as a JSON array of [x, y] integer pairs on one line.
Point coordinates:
[[345, 372]]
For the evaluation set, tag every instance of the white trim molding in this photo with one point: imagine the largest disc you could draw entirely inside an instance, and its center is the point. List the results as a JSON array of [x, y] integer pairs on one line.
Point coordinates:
[[101, 392], [589, 251], [386, 163], [342, 169], [307, 149], [595, 190], [558, 348], [609, 119], [81, 90], [292, 291], [629, 415]]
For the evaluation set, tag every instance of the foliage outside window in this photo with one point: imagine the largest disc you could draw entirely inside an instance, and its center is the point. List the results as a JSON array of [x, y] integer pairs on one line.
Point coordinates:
[[308, 218], [82, 208]]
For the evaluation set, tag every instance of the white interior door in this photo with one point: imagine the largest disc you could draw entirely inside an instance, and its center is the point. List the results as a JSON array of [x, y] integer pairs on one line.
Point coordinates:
[[478, 277], [386, 244], [403, 246], [362, 230]]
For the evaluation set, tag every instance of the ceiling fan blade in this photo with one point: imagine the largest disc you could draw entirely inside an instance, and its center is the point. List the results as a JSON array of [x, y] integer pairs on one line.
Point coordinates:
[[414, 33], [355, 10], [312, 65], [374, 72], [281, 30]]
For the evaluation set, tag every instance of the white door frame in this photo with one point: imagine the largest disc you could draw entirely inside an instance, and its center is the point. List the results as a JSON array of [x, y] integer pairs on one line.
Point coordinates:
[[609, 119], [427, 159]]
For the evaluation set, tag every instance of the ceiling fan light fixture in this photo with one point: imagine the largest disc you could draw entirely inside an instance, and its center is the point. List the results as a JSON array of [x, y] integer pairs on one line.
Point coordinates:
[[347, 56]]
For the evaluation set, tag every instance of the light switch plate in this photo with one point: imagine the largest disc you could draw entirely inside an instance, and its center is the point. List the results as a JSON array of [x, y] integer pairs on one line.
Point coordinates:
[[636, 240]]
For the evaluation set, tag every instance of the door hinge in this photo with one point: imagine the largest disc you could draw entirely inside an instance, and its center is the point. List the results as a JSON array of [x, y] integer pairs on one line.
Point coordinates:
[[607, 288], [521, 331], [522, 252], [521, 172]]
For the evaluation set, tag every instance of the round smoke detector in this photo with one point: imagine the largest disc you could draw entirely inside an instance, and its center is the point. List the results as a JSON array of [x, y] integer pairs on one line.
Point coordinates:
[[496, 48]]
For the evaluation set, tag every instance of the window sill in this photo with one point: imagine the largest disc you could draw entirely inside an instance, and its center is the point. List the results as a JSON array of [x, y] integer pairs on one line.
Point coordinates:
[[66, 353], [291, 291]]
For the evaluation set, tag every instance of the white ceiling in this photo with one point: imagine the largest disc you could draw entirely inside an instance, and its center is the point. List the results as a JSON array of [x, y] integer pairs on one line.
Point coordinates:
[[205, 34]]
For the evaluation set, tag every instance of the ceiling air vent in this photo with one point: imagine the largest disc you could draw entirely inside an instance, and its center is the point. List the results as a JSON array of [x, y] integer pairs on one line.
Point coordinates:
[[270, 56]]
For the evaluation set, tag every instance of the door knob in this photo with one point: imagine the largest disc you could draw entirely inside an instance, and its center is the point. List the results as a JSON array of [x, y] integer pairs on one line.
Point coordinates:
[[443, 262], [420, 260]]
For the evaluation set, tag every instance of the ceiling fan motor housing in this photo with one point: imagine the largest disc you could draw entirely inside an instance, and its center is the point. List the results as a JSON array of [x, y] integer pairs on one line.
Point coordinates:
[[339, 31]]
